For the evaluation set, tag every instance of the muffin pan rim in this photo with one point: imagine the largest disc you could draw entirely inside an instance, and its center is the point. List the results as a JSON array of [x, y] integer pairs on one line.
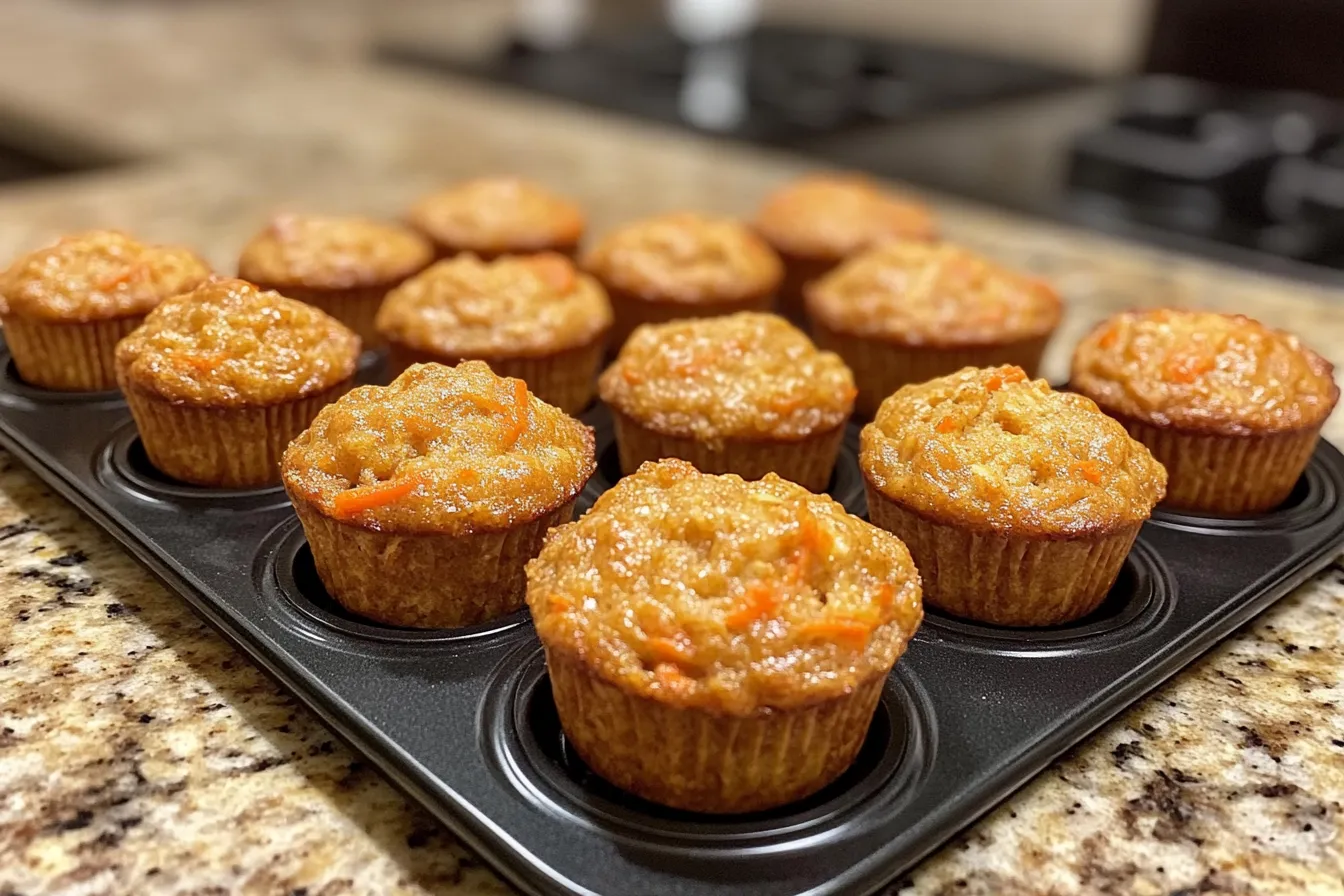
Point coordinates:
[[16, 392]]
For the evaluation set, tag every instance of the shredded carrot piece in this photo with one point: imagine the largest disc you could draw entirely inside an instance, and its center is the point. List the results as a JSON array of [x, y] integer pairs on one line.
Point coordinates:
[[558, 604], [947, 424], [356, 500], [632, 376], [519, 414], [994, 383], [488, 404], [759, 601], [666, 650], [555, 269], [670, 676], [885, 595], [1109, 338], [696, 365], [468, 476], [136, 271], [786, 405], [851, 393], [1090, 471], [809, 542], [840, 631], [1187, 368]]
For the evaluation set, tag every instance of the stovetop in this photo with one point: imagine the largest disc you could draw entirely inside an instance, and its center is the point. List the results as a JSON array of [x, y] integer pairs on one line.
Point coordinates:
[[1256, 179]]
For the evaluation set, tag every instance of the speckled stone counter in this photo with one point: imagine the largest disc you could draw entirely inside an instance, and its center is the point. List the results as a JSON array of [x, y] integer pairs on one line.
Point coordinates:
[[140, 754]]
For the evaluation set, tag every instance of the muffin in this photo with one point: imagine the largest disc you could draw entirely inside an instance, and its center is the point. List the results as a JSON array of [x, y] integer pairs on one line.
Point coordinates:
[[220, 379], [683, 265], [818, 221], [1231, 407], [423, 500], [747, 393], [908, 312], [345, 266], [533, 317], [1018, 503], [64, 307], [493, 216], [719, 645]]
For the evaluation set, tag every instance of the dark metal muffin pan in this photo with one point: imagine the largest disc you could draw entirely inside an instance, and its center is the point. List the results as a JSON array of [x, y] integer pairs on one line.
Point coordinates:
[[462, 719]]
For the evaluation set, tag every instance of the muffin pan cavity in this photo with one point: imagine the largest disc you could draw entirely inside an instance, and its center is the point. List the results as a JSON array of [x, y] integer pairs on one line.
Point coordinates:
[[14, 391], [528, 748], [1312, 500], [296, 578], [122, 464], [1140, 598], [462, 720]]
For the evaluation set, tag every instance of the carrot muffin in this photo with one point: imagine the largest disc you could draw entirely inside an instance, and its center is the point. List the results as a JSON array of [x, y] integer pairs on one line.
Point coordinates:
[[907, 312], [747, 393], [683, 265], [491, 216], [1231, 407], [1018, 503], [342, 265], [719, 645], [64, 307], [220, 379], [532, 317], [818, 221], [423, 500]]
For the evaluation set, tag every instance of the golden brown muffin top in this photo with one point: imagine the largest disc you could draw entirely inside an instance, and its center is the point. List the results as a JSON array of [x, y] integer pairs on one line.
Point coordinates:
[[97, 275], [991, 450], [512, 306], [742, 376], [933, 294], [686, 257], [498, 214], [1222, 374], [319, 252], [831, 216], [447, 450], [230, 344], [725, 595]]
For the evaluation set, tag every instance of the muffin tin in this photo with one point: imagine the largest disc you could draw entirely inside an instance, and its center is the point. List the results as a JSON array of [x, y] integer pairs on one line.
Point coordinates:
[[463, 721]]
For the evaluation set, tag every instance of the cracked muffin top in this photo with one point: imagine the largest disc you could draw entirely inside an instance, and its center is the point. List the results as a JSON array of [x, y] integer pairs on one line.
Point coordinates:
[[1222, 374], [932, 294], [496, 215], [686, 257], [230, 344], [746, 375], [831, 216], [990, 449], [445, 450], [320, 252], [722, 594], [512, 306], [97, 275]]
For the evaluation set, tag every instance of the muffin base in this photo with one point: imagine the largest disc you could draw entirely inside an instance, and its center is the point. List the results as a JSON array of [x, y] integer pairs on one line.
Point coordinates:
[[565, 379], [355, 307], [425, 581], [1226, 474], [223, 447], [630, 310], [1004, 580], [704, 762], [881, 367], [800, 270], [68, 357], [807, 461]]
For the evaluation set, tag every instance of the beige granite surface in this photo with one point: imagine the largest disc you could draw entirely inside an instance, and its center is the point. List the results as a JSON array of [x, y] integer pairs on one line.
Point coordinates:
[[140, 754]]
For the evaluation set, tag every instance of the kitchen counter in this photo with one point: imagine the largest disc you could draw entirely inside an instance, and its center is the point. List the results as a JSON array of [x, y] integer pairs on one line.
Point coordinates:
[[140, 754]]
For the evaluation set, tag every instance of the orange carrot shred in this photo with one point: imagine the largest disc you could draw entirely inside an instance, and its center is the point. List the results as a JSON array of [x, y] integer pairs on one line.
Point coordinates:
[[468, 476], [885, 595], [200, 362], [1090, 471], [666, 650], [1013, 374], [632, 376], [847, 631], [1109, 338], [558, 604], [1187, 368], [356, 500], [487, 404], [760, 599], [519, 414], [947, 424], [670, 676]]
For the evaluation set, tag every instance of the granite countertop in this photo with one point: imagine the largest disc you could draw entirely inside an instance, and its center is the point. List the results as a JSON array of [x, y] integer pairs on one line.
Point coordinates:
[[140, 754]]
